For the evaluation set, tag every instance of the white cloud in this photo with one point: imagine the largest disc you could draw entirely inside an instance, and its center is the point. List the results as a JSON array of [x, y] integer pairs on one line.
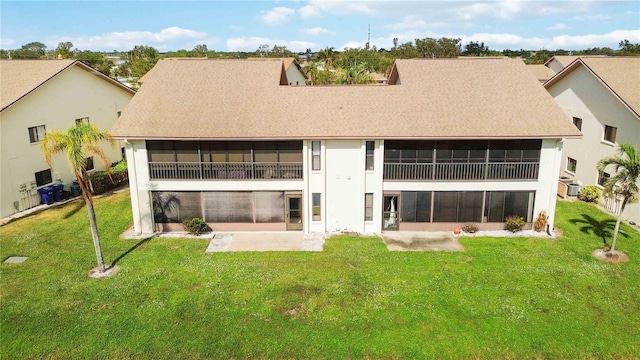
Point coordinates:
[[162, 40], [316, 31], [309, 11], [558, 27], [6, 43], [236, 27], [568, 42], [245, 43], [276, 16], [350, 6]]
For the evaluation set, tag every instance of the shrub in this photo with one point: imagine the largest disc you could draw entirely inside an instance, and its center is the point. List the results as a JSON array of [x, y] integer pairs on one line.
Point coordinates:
[[541, 221], [514, 223], [470, 228], [101, 183], [196, 226], [590, 193]]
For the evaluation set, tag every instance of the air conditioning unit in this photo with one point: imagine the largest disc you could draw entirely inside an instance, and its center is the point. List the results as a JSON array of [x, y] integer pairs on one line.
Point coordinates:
[[34, 185], [23, 187], [573, 190]]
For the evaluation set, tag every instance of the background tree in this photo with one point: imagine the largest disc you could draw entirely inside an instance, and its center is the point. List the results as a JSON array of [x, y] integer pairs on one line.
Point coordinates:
[[625, 182], [96, 60], [32, 50], [198, 51], [142, 59], [64, 50], [328, 56], [78, 142]]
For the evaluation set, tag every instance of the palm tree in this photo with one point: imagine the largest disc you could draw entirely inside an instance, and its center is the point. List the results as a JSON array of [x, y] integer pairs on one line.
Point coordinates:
[[78, 142], [625, 182], [329, 56]]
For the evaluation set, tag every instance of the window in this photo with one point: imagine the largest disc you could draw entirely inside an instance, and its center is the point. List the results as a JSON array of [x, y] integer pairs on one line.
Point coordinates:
[[315, 155], [369, 154], [36, 133], [457, 206], [82, 120], [315, 200], [89, 163], [416, 206], [368, 207], [572, 164], [501, 204], [43, 177], [577, 122], [610, 133], [603, 177]]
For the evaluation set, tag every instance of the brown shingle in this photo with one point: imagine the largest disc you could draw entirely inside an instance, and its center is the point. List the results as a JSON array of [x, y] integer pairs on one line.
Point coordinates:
[[19, 77], [542, 72], [235, 99]]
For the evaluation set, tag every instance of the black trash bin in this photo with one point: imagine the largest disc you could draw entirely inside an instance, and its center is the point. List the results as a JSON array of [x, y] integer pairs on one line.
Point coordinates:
[[57, 192], [75, 189], [46, 195]]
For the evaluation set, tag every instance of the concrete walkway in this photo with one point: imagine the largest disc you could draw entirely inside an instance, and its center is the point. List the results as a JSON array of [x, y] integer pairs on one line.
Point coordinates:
[[244, 241]]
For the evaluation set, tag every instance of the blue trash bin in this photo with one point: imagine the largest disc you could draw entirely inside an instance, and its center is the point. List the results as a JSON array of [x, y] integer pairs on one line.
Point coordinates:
[[57, 192], [75, 189], [46, 195]]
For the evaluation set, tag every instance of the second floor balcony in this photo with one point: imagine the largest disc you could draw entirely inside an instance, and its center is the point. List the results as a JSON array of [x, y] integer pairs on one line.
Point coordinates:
[[225, 171], [461, 171]]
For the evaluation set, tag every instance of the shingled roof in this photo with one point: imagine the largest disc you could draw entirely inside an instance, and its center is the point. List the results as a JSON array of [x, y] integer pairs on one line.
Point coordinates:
[[18, 78], [432, 98], [621, 75]]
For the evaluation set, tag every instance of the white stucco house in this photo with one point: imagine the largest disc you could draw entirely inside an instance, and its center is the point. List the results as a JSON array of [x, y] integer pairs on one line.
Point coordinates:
[[445, 143], [601, 96], [37, 96]]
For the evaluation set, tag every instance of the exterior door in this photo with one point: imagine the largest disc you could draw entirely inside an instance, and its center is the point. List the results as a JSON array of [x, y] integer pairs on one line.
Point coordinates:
[[390, 214], [293, 211]]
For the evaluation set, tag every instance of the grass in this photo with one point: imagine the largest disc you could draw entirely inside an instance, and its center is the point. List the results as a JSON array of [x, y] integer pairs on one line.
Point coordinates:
[[501, 298]]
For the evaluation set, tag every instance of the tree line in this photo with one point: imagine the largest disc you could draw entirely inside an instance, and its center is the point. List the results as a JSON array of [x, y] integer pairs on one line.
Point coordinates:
[[326, 66]]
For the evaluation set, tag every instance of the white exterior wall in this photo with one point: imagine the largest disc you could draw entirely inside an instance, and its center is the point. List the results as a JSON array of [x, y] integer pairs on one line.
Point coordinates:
[[342, 182], [295, 76], [555, 66], [582, 95], [72, 94]]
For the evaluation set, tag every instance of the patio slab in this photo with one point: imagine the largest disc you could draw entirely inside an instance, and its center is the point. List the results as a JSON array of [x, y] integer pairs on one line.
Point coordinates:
[[266, 241], [421, 241]]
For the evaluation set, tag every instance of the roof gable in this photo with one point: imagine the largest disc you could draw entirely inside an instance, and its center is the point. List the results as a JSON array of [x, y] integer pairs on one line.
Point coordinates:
[[18, 78], [621, 75]]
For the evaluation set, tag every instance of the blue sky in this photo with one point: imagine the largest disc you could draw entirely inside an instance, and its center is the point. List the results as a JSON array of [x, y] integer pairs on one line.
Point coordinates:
[[316, 24]]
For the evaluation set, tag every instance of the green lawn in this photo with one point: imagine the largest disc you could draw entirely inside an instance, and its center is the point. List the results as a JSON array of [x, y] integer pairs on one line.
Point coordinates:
[[501, 298]]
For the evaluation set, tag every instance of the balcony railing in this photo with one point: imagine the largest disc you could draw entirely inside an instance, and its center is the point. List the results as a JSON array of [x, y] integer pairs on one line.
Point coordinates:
[[224, 171], [462, 171]]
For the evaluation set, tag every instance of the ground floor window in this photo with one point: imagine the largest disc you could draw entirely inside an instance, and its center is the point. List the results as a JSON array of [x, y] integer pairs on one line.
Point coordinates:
[[221, 207], [465, 206], [43, 177]]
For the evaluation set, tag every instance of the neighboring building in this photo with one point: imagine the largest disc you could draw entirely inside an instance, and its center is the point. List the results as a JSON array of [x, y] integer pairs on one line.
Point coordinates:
[[293, 70], [601, 96], [541, 72], [559, 62], [447, 142], [40, 95]]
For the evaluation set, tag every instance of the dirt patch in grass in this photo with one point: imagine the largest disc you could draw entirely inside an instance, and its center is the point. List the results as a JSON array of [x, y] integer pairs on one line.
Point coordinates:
[[615, 257]]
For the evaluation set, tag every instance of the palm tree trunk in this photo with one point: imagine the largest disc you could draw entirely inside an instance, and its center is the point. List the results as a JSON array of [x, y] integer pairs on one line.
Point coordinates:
[[86, 194], [615, 230], [94, 233]]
